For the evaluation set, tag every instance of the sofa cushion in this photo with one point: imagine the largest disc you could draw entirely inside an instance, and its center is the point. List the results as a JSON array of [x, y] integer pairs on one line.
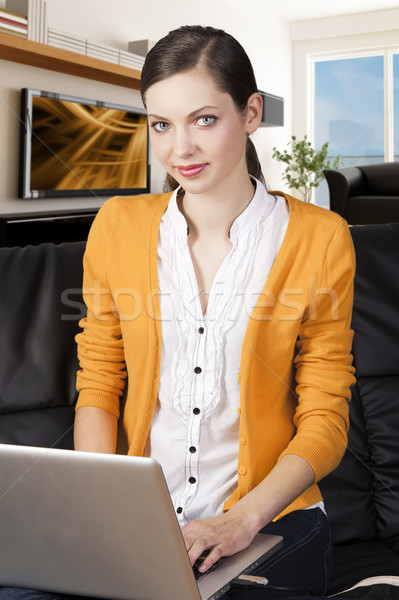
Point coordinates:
[[382, 179], [362, 494], [363, 210], [381, 422], [48, 427], [355, 562], [376, 304], [351, 486], [40, 306]]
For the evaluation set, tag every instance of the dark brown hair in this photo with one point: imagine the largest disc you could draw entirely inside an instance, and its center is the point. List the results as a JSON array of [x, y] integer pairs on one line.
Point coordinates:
[[224, 59]]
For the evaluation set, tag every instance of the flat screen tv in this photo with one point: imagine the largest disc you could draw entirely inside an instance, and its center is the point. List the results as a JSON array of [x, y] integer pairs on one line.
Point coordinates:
[[76, 147]]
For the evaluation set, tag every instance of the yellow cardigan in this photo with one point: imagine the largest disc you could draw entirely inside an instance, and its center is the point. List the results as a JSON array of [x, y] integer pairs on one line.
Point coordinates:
[[296, 365]]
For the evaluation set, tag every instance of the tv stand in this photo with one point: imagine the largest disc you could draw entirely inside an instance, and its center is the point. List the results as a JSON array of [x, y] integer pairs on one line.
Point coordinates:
[[27, 229]]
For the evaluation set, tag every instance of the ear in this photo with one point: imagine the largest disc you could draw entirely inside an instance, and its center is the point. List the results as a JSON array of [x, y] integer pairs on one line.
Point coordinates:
[[254, 112]]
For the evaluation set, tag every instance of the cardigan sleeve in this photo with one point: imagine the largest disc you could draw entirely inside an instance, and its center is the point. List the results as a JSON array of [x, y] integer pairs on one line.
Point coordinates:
[[323, 360], [101, 380]]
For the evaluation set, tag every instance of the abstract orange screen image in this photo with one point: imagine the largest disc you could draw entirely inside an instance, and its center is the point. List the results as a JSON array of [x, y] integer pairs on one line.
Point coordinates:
[[77, 146]]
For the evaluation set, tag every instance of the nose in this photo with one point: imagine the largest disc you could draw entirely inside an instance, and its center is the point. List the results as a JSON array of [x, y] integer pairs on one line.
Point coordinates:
[[183, 142]]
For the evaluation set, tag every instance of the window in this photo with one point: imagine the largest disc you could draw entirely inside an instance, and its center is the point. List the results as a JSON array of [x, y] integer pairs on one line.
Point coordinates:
[[352, 110]]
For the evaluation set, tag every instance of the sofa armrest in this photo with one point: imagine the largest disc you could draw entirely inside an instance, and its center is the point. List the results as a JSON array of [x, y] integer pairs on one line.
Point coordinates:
[[343, 184]]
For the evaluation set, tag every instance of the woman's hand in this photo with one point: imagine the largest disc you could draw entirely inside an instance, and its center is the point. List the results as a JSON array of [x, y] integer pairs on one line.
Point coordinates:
[[234, 530], [223, 536]]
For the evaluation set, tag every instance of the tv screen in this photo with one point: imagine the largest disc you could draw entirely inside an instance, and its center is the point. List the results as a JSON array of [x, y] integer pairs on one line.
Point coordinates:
[[76, 147]]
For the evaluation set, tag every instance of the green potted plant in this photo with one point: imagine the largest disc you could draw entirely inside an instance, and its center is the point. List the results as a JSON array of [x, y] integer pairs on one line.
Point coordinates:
[[305, 165]]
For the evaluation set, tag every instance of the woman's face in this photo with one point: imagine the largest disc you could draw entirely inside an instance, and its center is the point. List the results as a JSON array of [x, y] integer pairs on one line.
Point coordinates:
[[197, 133]]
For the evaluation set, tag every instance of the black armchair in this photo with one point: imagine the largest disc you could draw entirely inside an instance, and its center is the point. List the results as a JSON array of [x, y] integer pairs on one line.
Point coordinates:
[[367, 194]]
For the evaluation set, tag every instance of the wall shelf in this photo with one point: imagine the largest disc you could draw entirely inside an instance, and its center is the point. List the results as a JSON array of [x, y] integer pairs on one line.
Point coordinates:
[[20, 50]]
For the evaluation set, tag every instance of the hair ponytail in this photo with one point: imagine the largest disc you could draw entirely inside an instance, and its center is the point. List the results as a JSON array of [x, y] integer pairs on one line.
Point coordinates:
[[170, 184], [253, 163]]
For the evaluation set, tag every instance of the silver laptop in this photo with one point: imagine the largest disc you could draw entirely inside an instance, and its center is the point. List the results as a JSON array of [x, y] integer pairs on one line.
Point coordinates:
[[101, 525]]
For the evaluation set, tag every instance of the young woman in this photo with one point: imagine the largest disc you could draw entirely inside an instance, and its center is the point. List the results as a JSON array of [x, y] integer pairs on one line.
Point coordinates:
[[221, 313]]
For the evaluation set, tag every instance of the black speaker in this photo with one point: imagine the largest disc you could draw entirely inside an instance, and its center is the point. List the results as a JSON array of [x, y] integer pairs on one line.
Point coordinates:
[[273, 110]]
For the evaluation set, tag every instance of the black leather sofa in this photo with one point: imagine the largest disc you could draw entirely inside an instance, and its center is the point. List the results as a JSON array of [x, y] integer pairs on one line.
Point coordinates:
[[366, 194], [362, 494], [40, 305]]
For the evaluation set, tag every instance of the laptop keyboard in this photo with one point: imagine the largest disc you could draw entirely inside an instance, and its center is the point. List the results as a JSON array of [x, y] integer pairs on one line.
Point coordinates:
[[197, 573]]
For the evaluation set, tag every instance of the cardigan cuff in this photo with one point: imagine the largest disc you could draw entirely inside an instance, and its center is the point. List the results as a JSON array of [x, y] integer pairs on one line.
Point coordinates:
[[107, 401]]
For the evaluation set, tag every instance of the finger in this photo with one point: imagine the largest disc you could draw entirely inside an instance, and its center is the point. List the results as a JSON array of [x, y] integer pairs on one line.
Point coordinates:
[[195, 543], [200, 546], [214, 555], [196, 531], [191, 531]]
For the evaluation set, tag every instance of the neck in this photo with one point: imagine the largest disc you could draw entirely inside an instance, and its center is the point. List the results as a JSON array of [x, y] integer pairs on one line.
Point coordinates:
[[215, 213]]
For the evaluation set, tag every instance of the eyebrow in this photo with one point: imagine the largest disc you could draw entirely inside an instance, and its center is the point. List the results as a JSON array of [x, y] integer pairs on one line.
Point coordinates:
[[192, 114]]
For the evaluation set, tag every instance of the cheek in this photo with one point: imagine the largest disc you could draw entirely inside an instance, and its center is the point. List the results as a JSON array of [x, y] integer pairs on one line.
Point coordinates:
[[159, 147], [230, 143]]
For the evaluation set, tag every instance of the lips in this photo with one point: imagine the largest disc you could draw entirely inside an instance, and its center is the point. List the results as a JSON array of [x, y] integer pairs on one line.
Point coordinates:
[[191, 170]]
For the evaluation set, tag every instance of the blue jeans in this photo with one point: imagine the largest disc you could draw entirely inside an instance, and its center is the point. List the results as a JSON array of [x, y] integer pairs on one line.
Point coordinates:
[[303, 564], [302, 567]]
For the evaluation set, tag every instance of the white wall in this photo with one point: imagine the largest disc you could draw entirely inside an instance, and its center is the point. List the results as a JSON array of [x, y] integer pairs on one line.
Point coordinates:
[[115, 23]]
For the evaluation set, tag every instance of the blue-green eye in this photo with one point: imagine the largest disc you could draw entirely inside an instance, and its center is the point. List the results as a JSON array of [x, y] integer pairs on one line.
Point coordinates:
[[206, 121], [160, 126]]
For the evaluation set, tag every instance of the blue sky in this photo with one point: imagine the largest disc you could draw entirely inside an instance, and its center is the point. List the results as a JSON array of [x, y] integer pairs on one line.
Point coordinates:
[[349, 105]]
